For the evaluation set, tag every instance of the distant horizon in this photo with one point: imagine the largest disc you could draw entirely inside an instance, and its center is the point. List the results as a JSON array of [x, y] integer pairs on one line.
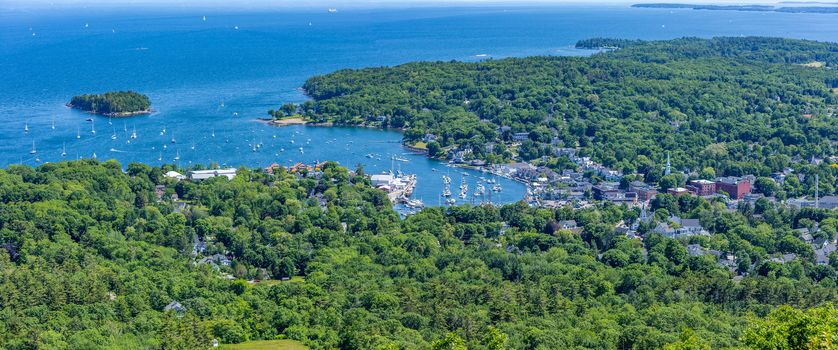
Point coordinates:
[[368, 4]]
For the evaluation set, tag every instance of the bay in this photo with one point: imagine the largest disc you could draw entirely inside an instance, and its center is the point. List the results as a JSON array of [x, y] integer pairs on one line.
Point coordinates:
[[217, 76]]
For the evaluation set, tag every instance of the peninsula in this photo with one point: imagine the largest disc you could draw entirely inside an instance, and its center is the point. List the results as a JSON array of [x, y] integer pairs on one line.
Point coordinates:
[[114, 103]]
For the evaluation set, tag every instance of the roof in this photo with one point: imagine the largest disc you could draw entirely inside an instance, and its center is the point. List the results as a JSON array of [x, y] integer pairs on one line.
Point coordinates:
[[690, 223]]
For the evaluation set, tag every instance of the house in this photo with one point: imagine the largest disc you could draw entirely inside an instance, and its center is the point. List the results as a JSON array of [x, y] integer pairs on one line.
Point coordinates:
[[216, 260], [198, 175], [428, 138], [270, 168], [784, 258], [822, 252], [520, 136], [159, 191], [683, 228], [174, 175], [805, 236], [828, 202], [175, 306]]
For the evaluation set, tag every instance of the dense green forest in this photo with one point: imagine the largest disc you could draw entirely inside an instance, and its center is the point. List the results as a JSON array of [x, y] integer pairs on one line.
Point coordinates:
[[737, 105], [91, 258], [112, 103]]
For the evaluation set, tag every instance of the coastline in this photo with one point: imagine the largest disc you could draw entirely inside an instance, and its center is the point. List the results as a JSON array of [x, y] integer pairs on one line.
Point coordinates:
[[118, 115]]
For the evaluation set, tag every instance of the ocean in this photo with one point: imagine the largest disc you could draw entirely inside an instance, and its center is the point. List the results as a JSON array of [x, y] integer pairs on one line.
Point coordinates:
[[211, 73]]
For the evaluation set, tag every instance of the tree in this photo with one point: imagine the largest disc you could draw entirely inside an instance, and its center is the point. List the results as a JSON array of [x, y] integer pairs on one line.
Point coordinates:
[[452, 341], [434, 149]]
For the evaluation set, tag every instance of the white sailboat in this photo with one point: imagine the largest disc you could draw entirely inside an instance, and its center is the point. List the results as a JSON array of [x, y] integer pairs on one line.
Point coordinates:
[[33, 151], [63, 149], [78, 133], [160, 157], [173, 138], [134, 133], [26, 128], [177, 155], [53, 123], [113, 136], [93, 127], [94, 155], [110, 121], [213, 133], [163, 132]]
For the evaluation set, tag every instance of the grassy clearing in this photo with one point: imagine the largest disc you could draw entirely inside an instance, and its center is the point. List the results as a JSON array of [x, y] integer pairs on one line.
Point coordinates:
[[266, 345], [298, 279]]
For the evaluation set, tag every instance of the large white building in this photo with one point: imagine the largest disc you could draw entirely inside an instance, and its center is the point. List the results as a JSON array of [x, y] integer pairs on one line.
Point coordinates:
[[230, 173]]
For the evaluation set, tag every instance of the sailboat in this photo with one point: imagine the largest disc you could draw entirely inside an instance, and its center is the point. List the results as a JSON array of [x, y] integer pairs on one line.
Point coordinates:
[[33, 151], [173, 139], [163, 132], [78, 133], [26, 128], [205, 18], [177, 155], [63, 149], [92, 127], [113, 136], [110, 122], [53, 123], [213, 133], [94, 155], [124, 127], [193, 146], [134, 133], [160, 157]]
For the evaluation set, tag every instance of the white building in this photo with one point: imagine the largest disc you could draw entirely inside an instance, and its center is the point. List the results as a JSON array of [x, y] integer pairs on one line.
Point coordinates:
[[175, 175], [230, 173]]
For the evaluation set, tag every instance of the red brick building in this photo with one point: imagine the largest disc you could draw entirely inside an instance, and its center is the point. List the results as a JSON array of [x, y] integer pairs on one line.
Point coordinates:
[[733, 186]]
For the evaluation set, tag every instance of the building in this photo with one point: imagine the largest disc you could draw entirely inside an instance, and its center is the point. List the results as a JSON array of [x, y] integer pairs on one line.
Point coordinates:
[[733, 186], [645, 192], [198, 175], [702, 187], [174, 175], [520, 136], [175, 306], [678, 191]]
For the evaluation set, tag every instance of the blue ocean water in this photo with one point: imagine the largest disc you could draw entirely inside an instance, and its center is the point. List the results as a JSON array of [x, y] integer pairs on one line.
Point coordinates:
[[217, 76]]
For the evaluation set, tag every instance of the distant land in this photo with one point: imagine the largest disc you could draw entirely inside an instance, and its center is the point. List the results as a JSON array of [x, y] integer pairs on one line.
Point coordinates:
[[114, 103], [757, 8]]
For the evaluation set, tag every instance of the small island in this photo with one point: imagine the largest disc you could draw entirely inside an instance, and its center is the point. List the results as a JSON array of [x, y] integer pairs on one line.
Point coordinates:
[[114, 103]]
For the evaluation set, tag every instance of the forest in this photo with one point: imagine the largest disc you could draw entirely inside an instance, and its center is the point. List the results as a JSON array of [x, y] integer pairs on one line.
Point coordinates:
[[740, 106], [98, 255], [115, 103]]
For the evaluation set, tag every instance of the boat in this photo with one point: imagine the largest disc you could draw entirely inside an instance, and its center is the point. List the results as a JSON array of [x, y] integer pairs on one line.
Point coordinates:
[[301, 150], [94, 155], [78, 133], [53, 123], [160, 157], [63, 149], [193, 146], [26, 128], [177, 155], [134, 133], [414, 203], [213, 130], [110, 121], [333, 10], [398, 158], [163, 132], [113, 136], [204, 18], [450, 201], [497, 188], [93, 127], [33, 151], [173, 139]]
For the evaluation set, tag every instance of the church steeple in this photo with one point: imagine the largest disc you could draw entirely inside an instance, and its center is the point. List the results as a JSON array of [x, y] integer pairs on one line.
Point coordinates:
[[668, 168]]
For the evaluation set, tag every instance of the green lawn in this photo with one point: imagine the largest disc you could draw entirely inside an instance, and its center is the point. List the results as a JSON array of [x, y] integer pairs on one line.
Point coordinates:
[[266, 345]]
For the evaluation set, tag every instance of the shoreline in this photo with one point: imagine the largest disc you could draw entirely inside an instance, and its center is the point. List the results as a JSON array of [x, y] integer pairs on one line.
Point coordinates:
[[118, 115]]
